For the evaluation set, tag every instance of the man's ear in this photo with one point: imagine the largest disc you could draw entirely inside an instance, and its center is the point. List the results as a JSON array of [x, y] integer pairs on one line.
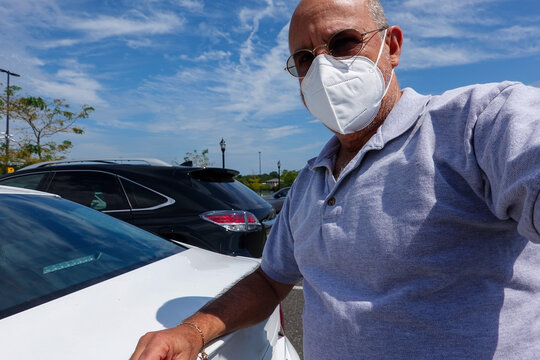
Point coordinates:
[[394, 40]]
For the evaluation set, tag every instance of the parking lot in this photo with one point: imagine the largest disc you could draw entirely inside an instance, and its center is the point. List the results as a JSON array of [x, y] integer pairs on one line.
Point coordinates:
[[292, 312]]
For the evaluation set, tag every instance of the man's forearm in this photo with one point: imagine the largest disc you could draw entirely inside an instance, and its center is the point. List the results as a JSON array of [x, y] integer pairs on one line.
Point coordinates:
[[247, 303]]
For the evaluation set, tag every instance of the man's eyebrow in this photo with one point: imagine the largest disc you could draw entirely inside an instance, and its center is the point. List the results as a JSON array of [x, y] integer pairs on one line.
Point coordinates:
[[327, 38]]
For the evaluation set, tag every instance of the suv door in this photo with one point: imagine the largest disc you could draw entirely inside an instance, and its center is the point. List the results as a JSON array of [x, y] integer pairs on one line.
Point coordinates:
[[96, 189]]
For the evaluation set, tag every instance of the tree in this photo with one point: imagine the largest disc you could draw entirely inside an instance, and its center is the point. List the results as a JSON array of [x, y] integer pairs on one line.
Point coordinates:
[[41, 119], [288, 177], [258, 182], [254, 184], [46, 119], [197, 159]]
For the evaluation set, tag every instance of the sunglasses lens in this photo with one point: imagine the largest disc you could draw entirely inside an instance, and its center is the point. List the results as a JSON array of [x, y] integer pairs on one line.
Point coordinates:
[[346, 43], [299, 63]]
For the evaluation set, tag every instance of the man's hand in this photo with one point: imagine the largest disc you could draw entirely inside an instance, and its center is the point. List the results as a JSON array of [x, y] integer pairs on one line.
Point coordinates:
[[179, 343], [247, 303]]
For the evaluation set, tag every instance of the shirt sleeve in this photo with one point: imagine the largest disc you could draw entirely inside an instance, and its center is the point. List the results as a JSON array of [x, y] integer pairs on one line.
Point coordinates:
[[507, 147], [278, 261]]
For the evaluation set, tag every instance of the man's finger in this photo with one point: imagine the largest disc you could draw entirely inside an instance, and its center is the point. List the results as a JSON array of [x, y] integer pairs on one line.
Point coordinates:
[[141, 345]]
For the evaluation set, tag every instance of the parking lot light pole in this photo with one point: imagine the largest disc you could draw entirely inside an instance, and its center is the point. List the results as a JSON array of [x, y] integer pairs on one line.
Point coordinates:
[[279, 174], [223, 145], [7, 114], [260, 172]]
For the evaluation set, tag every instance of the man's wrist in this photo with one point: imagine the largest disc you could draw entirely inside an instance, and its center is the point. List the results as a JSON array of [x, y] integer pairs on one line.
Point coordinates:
[[194, 325]]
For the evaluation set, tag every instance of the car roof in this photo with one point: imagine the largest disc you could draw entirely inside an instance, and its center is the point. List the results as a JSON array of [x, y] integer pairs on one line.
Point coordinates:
[[117, 161], [20, 191], [142, 169]]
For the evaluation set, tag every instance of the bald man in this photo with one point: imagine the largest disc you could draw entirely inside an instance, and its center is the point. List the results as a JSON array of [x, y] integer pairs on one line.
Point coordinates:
[[415, 228]]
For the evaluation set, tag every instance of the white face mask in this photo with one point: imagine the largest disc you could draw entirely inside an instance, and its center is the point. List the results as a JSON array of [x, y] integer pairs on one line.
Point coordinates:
[[345, 95]]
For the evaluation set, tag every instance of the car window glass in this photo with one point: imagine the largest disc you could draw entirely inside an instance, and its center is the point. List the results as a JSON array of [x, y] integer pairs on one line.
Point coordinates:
[[233, 193], [141, 197], [50, 247], [30, 181], [97, 190]]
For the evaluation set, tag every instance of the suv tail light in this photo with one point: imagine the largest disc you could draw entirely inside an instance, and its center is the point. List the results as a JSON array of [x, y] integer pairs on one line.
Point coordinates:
[[233, 220]]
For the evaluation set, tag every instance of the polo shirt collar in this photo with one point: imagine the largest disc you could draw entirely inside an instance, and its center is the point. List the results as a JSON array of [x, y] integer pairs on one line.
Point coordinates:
[[403, 116]]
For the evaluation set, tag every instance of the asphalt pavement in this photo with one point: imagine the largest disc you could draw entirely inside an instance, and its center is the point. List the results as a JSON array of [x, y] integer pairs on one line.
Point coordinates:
[[292, 313]]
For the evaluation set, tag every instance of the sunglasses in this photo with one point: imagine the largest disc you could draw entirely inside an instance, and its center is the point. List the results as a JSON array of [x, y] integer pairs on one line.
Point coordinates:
[[342, 45]]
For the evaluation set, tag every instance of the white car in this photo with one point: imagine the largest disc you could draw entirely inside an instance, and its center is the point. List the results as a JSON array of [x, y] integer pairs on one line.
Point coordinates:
[[79, 284]]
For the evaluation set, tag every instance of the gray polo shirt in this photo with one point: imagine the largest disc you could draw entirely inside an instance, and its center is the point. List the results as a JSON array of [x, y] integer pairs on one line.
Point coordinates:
[[425, 247]]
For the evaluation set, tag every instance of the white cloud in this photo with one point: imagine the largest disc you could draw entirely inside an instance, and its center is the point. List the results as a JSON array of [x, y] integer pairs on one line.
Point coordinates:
[[72, 85], [208, 56], [213, 33], [259, 87], [444, 33], [104, 26], [316, 145], [139, 43], [245, 91], [192, 5], [283, 131], [57, 43], [34, 12], [504, 43], [415, 56]]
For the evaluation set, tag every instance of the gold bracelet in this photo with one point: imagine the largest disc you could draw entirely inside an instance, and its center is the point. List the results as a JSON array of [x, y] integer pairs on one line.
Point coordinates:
[[204, 355]]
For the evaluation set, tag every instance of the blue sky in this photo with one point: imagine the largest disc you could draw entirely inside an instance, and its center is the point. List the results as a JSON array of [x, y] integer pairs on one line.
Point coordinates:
[[170, 76]]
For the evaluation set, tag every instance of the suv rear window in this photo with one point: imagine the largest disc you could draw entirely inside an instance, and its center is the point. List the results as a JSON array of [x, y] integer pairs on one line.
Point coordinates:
[[235, 193]]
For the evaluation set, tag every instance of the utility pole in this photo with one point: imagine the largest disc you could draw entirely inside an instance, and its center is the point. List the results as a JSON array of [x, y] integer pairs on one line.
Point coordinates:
[[7, 114], [260, 172]]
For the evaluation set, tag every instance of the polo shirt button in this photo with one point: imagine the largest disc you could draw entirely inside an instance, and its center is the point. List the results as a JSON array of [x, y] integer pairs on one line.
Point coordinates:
[[332, 201]]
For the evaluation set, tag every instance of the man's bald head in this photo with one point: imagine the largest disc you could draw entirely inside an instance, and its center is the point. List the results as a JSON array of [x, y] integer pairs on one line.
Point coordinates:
[[375, 9], [308, 12]]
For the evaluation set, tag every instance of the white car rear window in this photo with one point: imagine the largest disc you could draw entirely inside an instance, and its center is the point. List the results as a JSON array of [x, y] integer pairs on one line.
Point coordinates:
[[50, 247]]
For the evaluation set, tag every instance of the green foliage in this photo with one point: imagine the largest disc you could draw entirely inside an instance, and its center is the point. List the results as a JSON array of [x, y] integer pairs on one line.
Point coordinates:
[[36, 120], [258, 184], [288, 177], [200, 160], [254, 184]]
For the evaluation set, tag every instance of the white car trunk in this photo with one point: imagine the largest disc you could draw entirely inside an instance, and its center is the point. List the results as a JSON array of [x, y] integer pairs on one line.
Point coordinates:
[[105, 321]]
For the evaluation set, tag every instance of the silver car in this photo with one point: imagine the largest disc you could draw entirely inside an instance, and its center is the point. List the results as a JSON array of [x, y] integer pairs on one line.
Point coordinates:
[[278, 198]]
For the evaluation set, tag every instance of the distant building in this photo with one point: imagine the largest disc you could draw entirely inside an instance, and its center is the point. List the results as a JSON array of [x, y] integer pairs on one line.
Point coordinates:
[[273, 182]]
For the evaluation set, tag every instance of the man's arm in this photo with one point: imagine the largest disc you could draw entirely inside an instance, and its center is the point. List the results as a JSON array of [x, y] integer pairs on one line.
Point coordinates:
[[506, 141], [247, 303]]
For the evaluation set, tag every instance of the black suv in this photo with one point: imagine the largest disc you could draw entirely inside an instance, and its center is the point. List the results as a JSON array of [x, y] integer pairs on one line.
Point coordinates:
[[204, 207]]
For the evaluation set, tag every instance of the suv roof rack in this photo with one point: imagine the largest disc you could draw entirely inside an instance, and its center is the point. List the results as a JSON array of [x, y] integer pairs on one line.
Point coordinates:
[[134, 161]]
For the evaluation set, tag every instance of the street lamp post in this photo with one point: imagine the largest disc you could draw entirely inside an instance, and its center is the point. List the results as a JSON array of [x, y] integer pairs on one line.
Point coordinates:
[[260, 172], [279, 174], [7, 114], [222, 144]]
